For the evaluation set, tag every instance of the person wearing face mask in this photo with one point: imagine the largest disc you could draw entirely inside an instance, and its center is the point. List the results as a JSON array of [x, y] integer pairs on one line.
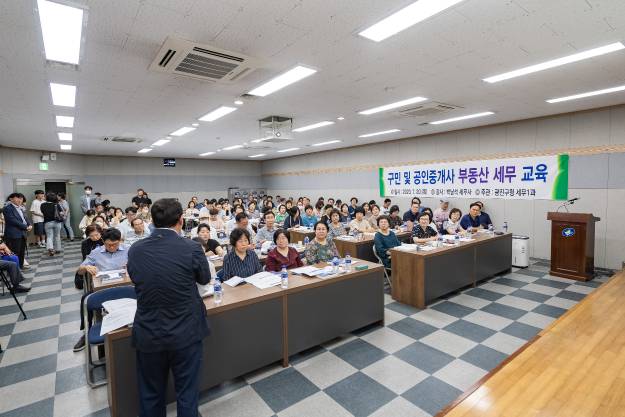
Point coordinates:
[[87, 219], [101, 221], [86, 201]]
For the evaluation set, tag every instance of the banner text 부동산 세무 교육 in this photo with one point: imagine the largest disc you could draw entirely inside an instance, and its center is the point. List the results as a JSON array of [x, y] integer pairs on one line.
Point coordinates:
[[529, 178]]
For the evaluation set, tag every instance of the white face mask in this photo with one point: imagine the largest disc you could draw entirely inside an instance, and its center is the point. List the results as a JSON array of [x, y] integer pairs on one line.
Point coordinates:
[[88, 192]]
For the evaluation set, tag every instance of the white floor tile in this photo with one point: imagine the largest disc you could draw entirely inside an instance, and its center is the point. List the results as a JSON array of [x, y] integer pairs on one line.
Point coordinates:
[[325, 369]]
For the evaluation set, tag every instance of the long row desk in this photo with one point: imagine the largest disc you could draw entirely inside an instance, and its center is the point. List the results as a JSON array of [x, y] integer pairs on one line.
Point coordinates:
[[420, 277], [253, 328], [363, 248], [574, 367]]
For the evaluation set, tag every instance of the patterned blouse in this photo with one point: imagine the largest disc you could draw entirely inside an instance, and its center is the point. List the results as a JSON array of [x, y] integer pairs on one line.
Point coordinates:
[[419, 233], [336, 231], [316, 252]]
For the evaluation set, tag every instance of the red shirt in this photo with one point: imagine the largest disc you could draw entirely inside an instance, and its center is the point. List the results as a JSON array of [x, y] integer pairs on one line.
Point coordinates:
[[275, 260]]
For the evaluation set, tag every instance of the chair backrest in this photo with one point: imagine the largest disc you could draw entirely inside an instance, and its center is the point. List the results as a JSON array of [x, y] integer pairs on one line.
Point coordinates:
[[94, 300], [375, 253]]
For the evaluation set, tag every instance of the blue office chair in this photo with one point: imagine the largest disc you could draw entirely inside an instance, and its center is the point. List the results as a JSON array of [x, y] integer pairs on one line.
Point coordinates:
[[93, 304]]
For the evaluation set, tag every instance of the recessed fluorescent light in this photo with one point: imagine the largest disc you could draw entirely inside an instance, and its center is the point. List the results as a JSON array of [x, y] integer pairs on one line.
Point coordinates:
[[406, 17], [340, 118], [195, 124], [63, 94], [144, 150], [161, 142], [589, 94], [61, 27], [257, 156], [207, 153], [66, 147], [291, 76], [384, 132], [287, 150], [395, 105], [217, 113], [457, 119], [182, 131], [557, 62], [313, 126], [238, 102], [65, 136], [229, 148], [65, 121], [326, 143]]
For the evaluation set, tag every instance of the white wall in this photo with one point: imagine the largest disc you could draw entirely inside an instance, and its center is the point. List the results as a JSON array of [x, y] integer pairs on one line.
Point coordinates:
[[599, 180]]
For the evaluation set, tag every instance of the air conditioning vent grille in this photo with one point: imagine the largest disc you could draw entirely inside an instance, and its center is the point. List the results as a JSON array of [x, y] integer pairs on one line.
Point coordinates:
[[167, 57], [205, 67], [219, 54], [121, 139], [428, 109]]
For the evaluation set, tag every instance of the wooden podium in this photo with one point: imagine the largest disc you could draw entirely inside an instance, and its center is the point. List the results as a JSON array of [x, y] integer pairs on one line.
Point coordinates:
[[572, 245]]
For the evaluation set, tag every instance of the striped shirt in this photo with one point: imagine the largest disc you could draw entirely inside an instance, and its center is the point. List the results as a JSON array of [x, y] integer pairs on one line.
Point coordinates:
[[234, 266]]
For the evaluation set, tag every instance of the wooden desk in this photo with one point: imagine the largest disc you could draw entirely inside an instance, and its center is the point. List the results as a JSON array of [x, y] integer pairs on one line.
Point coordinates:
[[421, 277], [574, 367], [253, 328], [299, 235], [363, 249]]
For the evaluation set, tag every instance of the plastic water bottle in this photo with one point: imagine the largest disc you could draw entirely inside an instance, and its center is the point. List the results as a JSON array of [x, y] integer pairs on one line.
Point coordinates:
[[456, 239], [284, 277], [505, 227], [440, 240], [335, 265], [491, 229], [348, 263], [306, 241], [218, 295]]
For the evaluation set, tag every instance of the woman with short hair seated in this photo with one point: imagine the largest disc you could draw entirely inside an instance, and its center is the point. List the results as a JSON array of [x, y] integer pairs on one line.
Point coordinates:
[[211, 246], [242, 261], [422, 232], [452, 225], [320, 249], [282, 254], [335, 227], [384, 240], [294, 219]]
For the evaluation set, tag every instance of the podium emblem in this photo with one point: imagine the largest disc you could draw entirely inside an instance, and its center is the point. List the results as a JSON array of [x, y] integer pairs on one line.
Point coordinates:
[[568, 232]]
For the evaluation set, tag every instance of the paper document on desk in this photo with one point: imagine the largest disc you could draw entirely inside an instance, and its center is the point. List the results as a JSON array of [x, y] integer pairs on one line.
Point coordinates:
[[346, 237], [426, 248], [112, 305], [264, 280], [113, 275], [311, 271], [117, 319], [407, 247], [234, 281]]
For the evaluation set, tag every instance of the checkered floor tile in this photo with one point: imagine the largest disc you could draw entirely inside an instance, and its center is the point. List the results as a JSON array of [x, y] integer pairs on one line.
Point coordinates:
[[413, 366]]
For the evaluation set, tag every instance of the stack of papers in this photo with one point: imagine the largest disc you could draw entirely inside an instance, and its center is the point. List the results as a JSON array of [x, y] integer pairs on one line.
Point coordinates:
[[262, 280], [311, 271], [346, 237], [407, 247], [234, 281], [426, 248], [121, 313], [114, 275]]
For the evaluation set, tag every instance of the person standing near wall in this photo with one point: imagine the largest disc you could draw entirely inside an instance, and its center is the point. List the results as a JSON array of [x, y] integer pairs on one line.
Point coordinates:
[[86, 201], [37, 215], [16, 226], [67, 225], [53, 221]]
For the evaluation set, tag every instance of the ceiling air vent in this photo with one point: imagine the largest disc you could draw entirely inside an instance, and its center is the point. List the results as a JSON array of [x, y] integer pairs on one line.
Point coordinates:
[[190, 59], [121, 139], [432, 108]]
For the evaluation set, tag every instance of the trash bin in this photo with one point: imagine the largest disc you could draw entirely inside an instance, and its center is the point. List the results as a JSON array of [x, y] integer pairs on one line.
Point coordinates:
[[520, 251]]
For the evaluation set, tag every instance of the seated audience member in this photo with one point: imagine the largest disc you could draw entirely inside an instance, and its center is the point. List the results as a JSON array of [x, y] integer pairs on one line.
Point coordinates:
[[352, 208], [294, 219], [485, 220], [282, 254], [441, 214], [203, 219], [10, 264], [338, 204], [411, 216], [211, 246], [125, 227], [360, 224], [375, 213], [308, 218], [452, 225], [320, 249], [415, 200], [242, 261], [422, 232], [137, 232], [367, 208], [335, 227], [192, 210], [265, 234], [215, 221], [144, 214], [252, 212], [394, 218], [471, 221], [118, 217], [429, 211], [100, 220], [345, 216], [386, 207], [281, 215], [87, 219], [241, 221], [231, 224], [327, 211], [318, 211], [111, 256], [385, 240], [330, 202], [93, 240], [99, 209], [140, 198]]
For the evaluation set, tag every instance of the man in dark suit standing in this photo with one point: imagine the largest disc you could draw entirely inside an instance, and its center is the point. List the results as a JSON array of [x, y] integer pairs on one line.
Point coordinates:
[[16, 226], [171, 319]]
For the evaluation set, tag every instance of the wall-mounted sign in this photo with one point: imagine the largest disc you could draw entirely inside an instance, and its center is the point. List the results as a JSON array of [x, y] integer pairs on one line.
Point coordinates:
[[568, 232], [169, 162], [43, 166], [531, 178]]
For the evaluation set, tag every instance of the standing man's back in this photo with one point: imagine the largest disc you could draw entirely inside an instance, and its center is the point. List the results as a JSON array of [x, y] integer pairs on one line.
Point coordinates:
[[170, 322]]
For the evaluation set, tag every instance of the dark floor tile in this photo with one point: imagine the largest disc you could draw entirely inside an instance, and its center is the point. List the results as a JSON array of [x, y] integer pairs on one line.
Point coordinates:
[[23, 371], [43, 408], [69, 379], [67, 342], [431, 395], [307, 354], [484, 294], [43, 295], [551, 283], [72, 297], [453, 309], [484, 357], [510, 282], [531, 295], [221, 390], [470, 331], [424, 357], [531, 273], [550, 311], [412, 328], [521, 330], [32, 336], [284, 389], [502, 310], [400, 308], [359, 353], [570, 295], [359, 394]]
